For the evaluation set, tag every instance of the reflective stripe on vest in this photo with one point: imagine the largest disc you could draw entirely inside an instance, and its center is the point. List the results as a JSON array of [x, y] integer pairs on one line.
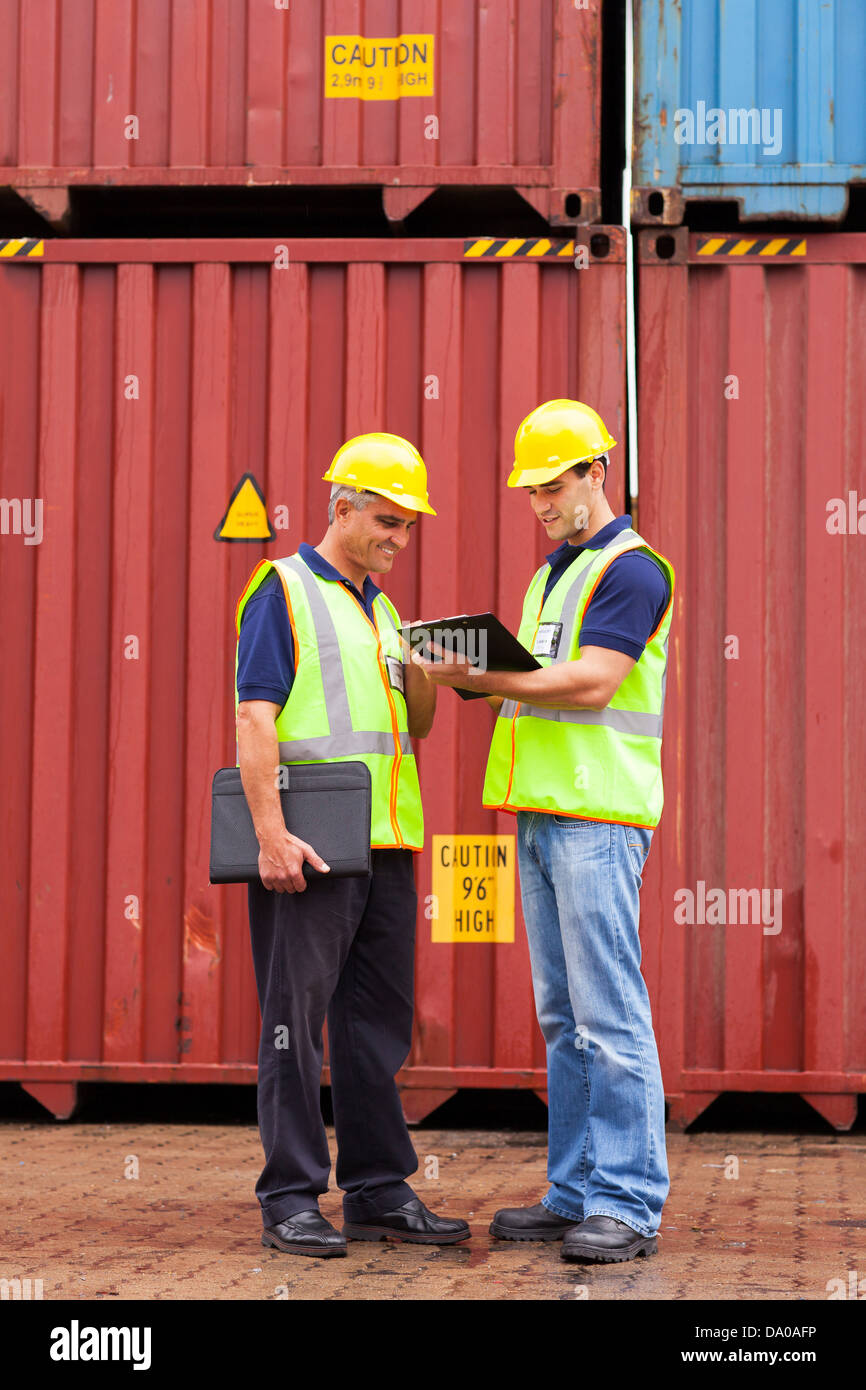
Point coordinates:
[[343, 740], [341, 746], [596, 764], [332, 681], [625, 721], [330, 660]]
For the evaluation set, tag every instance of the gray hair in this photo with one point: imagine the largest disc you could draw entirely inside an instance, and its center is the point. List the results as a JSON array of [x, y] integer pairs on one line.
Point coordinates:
[[359, 498]]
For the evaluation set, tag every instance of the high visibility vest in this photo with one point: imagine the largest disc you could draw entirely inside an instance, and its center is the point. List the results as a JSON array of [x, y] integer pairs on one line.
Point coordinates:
[[595, 764], [346, 702]]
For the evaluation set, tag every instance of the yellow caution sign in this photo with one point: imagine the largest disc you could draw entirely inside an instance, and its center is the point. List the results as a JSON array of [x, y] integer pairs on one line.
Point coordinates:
[[246, 517], [473, 888], [378, 69]]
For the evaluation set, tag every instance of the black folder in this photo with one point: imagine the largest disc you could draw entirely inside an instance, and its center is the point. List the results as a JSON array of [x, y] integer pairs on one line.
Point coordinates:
[[476, 635], [326, 804]]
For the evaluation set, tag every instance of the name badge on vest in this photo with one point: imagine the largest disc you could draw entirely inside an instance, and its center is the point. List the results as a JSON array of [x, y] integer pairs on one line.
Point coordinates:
[[395, 674], [547, 639]]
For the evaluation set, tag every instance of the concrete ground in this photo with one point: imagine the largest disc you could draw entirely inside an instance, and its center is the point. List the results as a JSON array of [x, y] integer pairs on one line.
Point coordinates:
[[167, 1211]]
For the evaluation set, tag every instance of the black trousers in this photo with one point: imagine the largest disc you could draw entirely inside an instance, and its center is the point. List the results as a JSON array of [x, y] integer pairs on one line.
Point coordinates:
[[343, 949]]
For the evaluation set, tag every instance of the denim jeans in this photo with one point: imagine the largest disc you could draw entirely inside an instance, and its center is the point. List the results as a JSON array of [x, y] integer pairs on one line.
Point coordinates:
[[579, 883]]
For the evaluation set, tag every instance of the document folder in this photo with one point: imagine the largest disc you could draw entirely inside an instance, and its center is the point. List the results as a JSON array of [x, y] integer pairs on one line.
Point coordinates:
[[326, 804], [480, 637]]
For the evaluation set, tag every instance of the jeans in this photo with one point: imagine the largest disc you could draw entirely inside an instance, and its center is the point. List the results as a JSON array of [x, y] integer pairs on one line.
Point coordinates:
[[579, 883]]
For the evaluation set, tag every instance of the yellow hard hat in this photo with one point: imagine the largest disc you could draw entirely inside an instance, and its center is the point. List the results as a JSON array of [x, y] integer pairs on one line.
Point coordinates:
[[554, 437], [383, 463]]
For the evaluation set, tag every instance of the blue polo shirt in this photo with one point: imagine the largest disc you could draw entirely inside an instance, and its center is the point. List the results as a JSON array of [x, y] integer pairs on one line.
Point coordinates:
[[266, 649], [631, 597]]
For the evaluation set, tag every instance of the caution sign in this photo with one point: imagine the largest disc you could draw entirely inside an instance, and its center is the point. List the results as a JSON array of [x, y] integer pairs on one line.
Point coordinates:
[[473, 888], [378, 69], [246, 517]]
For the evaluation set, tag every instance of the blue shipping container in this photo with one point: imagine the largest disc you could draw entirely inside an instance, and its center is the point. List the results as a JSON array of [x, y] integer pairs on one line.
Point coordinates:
[[763, 101]]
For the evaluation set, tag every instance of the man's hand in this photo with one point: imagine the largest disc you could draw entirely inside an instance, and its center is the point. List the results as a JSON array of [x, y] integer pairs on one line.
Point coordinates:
[[451, 670], [281, 855], [281, 863], [419, 694], [588, 682]]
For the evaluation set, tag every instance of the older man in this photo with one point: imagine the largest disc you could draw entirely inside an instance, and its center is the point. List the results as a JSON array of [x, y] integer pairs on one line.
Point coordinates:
[[320, 677]]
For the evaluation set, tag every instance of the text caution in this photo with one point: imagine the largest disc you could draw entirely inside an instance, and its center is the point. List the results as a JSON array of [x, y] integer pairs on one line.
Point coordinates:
[[378, 69], [473, 888]]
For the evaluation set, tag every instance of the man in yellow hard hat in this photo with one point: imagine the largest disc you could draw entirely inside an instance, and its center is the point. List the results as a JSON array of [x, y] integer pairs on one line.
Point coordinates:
[[576, 756], [320, 678]]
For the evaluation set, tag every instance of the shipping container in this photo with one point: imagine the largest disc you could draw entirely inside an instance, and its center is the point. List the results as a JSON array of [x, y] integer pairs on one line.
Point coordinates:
[[760, 101], [256, 92], [147, 378], [752, 358]]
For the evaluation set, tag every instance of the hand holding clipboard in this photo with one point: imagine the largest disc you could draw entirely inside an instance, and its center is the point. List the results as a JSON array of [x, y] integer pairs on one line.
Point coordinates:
[[479, 638]]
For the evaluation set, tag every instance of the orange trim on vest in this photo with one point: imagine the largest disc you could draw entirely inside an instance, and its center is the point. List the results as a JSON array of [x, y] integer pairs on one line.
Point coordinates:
[[295, 644], [578, 622], [244, 593], [395, 728], [664, 615], [542, 811]]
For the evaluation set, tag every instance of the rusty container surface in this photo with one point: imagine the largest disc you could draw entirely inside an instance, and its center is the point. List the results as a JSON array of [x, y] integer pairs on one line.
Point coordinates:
[[752, 359], [147, 378], [247, 92]]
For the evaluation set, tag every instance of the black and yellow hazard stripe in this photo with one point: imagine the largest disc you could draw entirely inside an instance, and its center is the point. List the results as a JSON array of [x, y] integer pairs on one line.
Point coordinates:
[[538, 248], [752, 246], [22, 246]]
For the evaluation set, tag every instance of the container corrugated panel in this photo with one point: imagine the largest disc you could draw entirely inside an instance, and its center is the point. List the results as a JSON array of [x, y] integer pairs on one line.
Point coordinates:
[[147, 377], [761, 101], [752, 357], [242, 92]]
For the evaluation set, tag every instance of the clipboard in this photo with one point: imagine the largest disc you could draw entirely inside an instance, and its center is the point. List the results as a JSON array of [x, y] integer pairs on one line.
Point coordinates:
[[479, 636]]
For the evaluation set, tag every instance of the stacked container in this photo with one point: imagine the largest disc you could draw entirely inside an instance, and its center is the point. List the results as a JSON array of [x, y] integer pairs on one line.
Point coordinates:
[[756, 101], [150, 375], [751, 360], [255, 92]]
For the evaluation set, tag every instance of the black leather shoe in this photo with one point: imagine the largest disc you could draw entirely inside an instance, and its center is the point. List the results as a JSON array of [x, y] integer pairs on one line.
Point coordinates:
[[413, 1222], [606, 1240], [305, 1233], [530, 1223]]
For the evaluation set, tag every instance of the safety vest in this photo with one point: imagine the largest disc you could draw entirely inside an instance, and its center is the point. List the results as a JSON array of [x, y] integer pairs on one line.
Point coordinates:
[[346, 702], [594, 764]]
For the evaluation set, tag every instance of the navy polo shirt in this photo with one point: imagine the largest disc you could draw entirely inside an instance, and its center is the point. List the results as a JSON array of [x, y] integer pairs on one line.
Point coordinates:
[[266, 650], [631, 597]]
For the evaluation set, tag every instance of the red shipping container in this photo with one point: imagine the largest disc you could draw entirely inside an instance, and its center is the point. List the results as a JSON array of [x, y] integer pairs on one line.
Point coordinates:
[[249, 92], [147, 378], [752, 359]]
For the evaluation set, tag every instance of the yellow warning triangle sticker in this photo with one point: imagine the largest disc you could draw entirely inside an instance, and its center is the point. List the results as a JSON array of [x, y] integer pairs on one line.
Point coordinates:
[[246, 517]]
